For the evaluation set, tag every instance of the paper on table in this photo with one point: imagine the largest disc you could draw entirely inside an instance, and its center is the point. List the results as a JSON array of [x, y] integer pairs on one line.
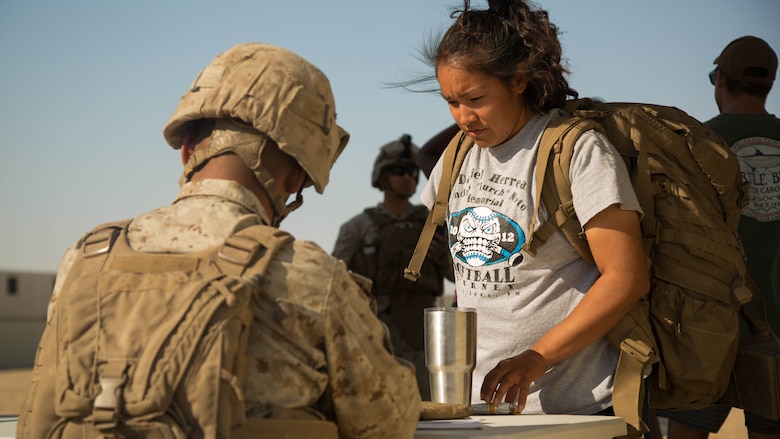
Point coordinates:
[[450, 424]]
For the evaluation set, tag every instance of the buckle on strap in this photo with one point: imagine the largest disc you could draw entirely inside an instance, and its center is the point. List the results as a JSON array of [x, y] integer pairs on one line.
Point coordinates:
[[411, 274], [105, 413], [742, 294], [99, 242], [240, 250], [637, 349]]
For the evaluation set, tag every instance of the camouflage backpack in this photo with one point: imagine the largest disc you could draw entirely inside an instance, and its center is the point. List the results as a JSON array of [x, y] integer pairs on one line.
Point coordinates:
[[685, 331], [148, 344]]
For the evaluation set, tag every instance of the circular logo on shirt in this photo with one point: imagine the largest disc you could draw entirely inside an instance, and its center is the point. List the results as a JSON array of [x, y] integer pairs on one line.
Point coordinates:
[[481, 236], [759, 160]]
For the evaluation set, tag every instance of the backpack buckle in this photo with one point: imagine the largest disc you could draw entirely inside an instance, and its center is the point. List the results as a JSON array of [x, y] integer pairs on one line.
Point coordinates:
[[637, 349], [239, 250], [99, 242], [105, 413], [411, 274]]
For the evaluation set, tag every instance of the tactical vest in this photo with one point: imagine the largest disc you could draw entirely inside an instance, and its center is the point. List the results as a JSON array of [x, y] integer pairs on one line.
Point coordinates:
[[384, 258]]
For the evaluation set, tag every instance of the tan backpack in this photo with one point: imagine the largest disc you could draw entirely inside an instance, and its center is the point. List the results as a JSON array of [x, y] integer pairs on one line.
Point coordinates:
[[149, 344], [685, 331]]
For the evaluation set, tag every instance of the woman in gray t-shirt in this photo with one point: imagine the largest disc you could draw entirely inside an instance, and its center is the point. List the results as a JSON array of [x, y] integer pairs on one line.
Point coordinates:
[[541, 318]]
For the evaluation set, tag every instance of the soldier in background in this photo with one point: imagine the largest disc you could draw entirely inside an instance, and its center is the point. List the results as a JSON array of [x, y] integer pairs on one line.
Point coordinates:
[[379, 242]]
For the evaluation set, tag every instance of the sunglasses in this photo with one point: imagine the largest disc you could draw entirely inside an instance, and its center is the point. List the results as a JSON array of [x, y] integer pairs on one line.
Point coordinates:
[[401, 170], [714, 77]]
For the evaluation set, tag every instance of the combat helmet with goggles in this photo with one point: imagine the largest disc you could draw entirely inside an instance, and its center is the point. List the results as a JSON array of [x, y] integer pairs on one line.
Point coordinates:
[[398, 152], [257, 92]]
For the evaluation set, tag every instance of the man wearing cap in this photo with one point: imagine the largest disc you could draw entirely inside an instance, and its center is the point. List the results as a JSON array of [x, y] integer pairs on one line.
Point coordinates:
[[256, 127], [379, 242], [743, 77]]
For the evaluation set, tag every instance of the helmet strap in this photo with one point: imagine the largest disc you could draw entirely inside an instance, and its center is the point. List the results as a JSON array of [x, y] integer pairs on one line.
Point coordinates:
[[279, 203], [281, 213]]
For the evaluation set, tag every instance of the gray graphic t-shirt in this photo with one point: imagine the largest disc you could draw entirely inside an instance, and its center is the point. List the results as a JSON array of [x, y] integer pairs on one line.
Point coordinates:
[[519, 297]]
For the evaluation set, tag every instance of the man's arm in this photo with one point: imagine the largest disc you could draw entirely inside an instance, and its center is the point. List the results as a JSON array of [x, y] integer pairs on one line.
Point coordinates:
[[375, 394]]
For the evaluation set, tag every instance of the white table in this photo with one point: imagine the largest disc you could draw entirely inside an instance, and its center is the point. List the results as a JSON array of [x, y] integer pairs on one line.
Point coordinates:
[[536, 427], [7, 427], [494, 427]]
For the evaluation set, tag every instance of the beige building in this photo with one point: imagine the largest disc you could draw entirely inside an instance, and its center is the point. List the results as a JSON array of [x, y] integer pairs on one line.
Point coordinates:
[[24, 297]]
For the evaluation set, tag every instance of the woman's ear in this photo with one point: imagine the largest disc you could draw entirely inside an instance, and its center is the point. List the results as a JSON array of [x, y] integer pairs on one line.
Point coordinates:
[[519, 83]]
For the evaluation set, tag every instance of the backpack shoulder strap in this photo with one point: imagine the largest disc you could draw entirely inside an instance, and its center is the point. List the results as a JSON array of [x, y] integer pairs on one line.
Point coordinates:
[[553, 185], [93, 249], [251, 249], [100, 239], [453, 158]]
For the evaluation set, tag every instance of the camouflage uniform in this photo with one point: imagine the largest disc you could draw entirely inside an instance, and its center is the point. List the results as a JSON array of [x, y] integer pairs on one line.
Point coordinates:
[[316, 346]]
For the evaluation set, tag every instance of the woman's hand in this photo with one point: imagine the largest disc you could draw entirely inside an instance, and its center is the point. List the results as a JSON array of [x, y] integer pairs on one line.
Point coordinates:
[[510, 380]]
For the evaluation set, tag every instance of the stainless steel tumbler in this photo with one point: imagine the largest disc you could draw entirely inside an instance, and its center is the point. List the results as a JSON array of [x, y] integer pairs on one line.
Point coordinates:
[[450, 353]]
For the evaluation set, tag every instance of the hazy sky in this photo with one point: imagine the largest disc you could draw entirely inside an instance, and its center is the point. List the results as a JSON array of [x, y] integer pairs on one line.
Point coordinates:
[[86, 86]]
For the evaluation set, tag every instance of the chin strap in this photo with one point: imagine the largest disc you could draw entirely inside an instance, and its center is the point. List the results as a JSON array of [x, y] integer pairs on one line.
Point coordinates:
[[281, 210]]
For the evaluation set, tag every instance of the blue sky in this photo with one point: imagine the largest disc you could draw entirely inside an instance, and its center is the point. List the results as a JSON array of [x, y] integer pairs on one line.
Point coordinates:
[[86, 87]]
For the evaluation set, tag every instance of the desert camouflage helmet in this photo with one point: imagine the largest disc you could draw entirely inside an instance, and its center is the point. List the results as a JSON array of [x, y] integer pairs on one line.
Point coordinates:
[[279, 94], [401, 151]]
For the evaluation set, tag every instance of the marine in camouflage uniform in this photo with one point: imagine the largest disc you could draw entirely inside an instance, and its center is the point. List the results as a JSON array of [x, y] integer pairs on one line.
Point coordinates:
[[316, 349], [379, 242]]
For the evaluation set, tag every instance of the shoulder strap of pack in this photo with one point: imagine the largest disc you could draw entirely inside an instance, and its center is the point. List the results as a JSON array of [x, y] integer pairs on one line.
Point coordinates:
[[553, 186], [94, 248], [453, 158], [99, 240], [251, 248]]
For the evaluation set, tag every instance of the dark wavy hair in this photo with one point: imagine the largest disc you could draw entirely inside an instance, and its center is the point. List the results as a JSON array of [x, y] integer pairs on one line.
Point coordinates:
[[511, 37]]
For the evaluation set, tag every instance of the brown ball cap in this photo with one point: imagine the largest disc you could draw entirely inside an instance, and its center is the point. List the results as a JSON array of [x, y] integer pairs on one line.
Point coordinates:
[[750, 60]]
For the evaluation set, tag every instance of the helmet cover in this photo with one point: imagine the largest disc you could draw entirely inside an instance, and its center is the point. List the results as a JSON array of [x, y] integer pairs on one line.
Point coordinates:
[[279, 94], [397, 152]]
